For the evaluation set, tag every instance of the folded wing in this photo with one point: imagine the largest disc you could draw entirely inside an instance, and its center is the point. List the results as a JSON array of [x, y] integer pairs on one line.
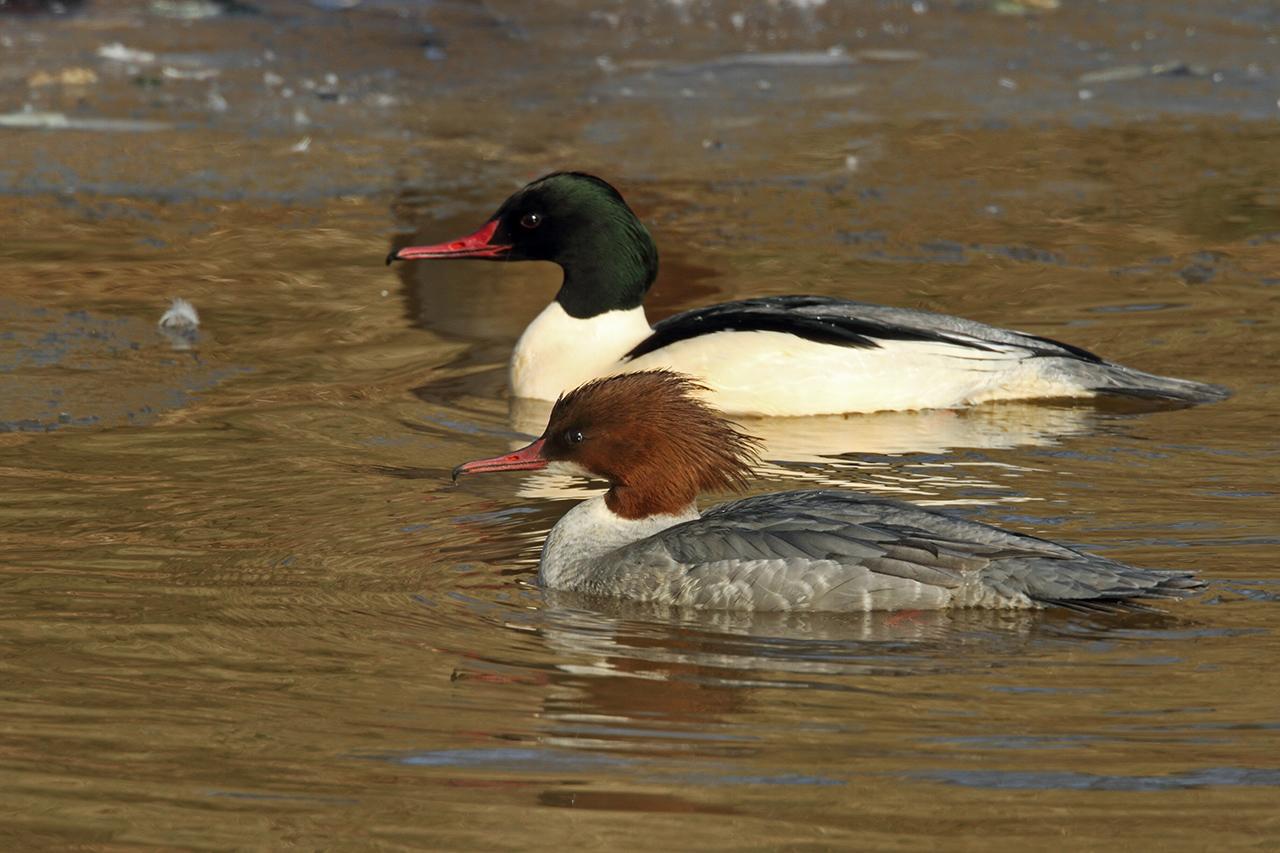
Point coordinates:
[[838, 551]]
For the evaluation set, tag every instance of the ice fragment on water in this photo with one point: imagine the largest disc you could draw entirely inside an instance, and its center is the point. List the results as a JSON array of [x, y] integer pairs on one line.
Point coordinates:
[[117, 52], [186, 10], [28, 118], [189, 73], [180, 324], [181, 315]]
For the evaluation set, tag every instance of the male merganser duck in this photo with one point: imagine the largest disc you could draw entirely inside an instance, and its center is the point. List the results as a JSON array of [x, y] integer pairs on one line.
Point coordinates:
[[776, 355], [658, 445]]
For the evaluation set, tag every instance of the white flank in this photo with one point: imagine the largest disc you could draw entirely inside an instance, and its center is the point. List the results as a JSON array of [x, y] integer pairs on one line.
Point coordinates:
[[774, 373], [779, 374]]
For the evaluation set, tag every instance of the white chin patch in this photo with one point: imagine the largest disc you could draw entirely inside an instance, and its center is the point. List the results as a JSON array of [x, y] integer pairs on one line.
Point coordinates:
[[572, 469]]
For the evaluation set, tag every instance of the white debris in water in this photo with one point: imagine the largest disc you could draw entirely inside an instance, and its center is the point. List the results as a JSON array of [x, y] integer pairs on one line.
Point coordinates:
[[1024, 7], [793, 59], [1118, 74], [180, 324], [28, 118], [1085, 94], [301, 145], [300, 118], [851, 162], [216, 102], [181, 315], [888, 54], [1006, 83], [189, 74], [186, 10], [270, 78], [117, 52]]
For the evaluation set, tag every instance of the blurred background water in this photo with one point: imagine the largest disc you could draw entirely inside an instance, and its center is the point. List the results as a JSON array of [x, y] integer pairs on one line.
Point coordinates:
[[242, 607]]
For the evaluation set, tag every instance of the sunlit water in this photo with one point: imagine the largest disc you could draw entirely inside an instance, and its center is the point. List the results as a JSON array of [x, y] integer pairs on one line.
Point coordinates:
[[243, 606]]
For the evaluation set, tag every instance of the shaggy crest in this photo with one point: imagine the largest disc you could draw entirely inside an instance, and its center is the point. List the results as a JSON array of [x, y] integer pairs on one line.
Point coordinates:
[[652, 438]]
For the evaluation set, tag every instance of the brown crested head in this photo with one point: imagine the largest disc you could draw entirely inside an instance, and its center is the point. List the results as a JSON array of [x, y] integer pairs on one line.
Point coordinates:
[[652, 438]]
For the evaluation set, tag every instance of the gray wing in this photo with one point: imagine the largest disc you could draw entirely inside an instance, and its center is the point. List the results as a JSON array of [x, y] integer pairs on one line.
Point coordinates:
[[839, 551]]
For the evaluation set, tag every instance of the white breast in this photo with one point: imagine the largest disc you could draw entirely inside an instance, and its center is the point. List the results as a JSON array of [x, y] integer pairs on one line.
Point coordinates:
[[557, 353], [589, 531]]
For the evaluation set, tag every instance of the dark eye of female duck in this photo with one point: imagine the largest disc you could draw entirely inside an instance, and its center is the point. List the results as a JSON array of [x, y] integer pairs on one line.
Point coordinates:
[[574, 436], [531, 220]]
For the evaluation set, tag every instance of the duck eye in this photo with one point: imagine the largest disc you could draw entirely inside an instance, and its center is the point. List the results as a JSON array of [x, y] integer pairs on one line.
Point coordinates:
[[531, 220], [574, 436]]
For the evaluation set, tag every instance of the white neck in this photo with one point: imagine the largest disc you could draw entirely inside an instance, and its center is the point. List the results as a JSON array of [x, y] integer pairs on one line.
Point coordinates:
[[590, 531], [557, 353]]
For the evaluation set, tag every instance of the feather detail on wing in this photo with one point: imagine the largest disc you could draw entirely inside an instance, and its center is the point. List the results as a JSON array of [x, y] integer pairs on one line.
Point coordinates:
[[833, 550]]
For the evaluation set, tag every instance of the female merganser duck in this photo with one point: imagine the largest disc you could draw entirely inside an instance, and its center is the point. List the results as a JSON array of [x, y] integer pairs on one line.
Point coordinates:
[[658, 446], [776, 355]]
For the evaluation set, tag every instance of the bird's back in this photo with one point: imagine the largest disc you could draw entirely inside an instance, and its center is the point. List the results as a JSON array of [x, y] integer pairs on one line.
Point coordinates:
[[839, 551]]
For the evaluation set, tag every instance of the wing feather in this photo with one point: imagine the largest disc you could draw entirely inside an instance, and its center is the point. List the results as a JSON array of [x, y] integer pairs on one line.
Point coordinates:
[[843, 322], [836, 550]]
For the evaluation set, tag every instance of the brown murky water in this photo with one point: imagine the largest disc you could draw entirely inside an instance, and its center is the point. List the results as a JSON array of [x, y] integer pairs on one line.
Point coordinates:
[[241, 605]]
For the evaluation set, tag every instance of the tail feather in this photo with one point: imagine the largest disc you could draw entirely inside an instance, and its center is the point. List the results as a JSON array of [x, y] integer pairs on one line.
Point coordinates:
[[1126, 382], [1091, 583]]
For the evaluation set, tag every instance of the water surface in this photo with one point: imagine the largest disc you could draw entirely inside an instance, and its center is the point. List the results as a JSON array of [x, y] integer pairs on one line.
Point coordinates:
[[242, 605]]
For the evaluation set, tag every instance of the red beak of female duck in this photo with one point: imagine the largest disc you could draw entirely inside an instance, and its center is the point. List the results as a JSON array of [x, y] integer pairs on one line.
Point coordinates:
[[525, 459], [475, 245]]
